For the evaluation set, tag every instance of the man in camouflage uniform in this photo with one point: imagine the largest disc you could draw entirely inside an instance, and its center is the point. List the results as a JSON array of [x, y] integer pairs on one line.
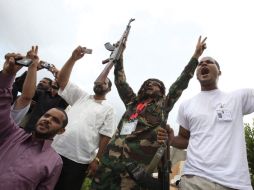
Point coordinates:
[[135, 138]]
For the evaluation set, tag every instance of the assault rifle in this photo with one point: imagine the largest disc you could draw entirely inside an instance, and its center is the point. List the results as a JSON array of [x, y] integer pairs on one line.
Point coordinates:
[[116, 52], [142, 175]]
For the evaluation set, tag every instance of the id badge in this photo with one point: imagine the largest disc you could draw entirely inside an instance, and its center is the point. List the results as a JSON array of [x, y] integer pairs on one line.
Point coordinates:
[[128, 127], [224, 115]]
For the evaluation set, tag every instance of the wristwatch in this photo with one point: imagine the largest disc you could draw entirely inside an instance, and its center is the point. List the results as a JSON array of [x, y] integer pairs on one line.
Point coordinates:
[[98, 160]]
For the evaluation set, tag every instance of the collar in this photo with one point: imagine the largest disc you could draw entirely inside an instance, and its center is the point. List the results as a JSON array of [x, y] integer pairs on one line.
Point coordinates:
[[210, 91], [96, 100], [45, 144]]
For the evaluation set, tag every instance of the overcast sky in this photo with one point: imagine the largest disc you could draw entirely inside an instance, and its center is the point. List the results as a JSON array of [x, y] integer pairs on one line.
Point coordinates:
[[160, 44]]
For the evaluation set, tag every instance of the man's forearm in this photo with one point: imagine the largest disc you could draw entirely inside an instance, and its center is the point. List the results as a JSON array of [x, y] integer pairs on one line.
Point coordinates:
[[180, 142], [102, 145], [119, 72], [29, 88], [64, 74], [181, 83], [19, 81], [5, 103]]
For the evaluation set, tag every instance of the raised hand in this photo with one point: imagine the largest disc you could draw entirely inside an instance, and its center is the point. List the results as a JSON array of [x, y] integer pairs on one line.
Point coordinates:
[[200, 47], [54, 70], [78, 53], [33, 55], [10, 67], [93, 166]]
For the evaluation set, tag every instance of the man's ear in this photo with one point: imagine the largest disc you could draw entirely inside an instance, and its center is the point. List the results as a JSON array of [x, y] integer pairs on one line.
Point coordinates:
[[61, 131], [219, 73]]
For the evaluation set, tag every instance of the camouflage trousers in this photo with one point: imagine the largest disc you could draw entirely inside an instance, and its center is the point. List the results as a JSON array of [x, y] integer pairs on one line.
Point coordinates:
[[107, 178]]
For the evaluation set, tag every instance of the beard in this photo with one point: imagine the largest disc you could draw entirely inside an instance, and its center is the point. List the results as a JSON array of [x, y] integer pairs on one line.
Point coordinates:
[[41, 87], [98, 90], [48, 135]]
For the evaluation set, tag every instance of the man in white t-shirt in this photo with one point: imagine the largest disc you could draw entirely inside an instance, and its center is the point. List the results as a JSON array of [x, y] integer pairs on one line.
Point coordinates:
[[90, 127], [22, 104], [211, 128]]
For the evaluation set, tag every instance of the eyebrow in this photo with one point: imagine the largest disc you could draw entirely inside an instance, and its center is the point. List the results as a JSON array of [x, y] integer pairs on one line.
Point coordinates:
[[155, 83], [54, 118], [209, 61]]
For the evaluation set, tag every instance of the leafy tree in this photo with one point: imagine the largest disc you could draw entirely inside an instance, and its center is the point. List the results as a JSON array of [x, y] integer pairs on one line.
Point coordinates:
[[249, 137]]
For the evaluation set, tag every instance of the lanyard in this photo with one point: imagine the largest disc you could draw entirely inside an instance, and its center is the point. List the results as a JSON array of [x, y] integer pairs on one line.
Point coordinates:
[[139, 108]]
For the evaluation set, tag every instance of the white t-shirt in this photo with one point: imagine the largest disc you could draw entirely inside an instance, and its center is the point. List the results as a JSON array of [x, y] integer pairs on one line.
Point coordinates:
[[19, 114], [217, 149], [88, 119]]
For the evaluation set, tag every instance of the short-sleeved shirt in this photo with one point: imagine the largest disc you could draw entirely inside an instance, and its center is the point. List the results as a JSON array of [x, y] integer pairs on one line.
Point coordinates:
[[217, 149], [19, 114], [88, 118]]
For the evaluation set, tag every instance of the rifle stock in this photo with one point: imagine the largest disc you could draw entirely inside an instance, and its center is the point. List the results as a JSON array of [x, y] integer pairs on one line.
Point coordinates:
[[104, 74], [116, 52], [162, 155]]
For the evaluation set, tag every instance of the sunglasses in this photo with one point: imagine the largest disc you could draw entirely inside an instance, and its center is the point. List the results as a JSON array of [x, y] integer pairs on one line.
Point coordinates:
[[154, 83]]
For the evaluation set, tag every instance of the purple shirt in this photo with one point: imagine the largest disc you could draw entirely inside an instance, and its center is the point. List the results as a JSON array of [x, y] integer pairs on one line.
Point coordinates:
[[26, 163]]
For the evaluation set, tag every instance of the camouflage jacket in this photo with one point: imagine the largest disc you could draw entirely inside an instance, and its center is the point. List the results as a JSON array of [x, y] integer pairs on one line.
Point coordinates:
[[141, 145]]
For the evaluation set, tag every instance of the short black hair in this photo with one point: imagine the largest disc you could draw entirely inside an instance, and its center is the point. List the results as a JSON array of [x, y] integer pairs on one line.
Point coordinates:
[[48, 79], [162, 86], [216, 62], [65, 122]]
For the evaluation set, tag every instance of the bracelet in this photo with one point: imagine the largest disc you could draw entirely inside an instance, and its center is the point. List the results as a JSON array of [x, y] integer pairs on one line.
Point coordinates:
[[98, 160]]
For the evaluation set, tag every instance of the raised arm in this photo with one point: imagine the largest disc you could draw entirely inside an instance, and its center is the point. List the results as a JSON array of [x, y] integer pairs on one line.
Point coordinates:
[[29, 85], [124, 90], [63, 75], [54, 71], [7, 75], [181, 83]]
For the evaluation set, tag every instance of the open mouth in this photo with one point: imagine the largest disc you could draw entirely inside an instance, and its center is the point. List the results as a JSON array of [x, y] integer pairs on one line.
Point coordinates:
[[43, 126], [204, 71]]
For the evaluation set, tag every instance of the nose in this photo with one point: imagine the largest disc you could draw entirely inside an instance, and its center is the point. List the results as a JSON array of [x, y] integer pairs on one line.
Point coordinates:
[[150, 84], [47, 119]]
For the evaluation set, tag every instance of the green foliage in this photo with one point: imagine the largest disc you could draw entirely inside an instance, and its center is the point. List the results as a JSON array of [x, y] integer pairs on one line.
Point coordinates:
[[249, 137], [86, 184]]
